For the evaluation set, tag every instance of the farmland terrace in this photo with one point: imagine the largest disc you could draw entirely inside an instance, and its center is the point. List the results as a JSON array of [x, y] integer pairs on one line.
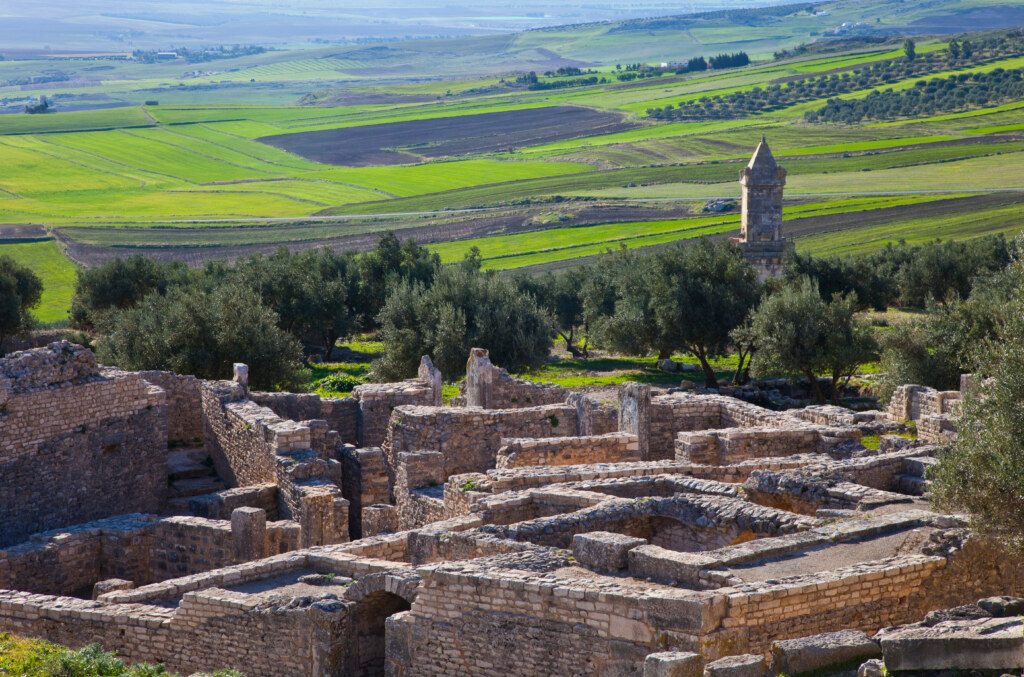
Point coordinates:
[[532, 178], [523, 530]]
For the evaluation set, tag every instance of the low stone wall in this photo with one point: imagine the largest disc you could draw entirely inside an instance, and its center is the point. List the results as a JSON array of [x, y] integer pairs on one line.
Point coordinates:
[[491, 387], [208, 631], [139, 548], [341, 414], [548, 451], [469, 438], [184, 406], [683, 522], [250, 445], [378, 400], [683, 412], [912, 402], [937, 429], [76, 444], [475, 618], [732, 445], [221, 504]]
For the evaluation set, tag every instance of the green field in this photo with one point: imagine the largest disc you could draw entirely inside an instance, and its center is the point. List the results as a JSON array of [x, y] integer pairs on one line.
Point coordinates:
[[58, 274], [188, 177]]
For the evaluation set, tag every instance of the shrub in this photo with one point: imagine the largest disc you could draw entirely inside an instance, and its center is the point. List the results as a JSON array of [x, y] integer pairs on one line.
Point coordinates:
[[981, 474], [20, 291]]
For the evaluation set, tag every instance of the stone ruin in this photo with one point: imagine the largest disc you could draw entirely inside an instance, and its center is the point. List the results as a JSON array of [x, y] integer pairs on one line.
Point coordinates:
[[525, 530]]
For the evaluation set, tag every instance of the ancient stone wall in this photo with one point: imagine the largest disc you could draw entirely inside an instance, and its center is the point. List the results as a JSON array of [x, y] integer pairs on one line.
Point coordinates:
[[341, 414], [732, 445], [211, 629], [469, 438], [378, 400], [251, 445], [911, 402], [221, 504], [682, 412], [472, 620], [77, 444], [138, 547], [550, 451], [184, 406], [419, 488], [491, 387], [364, 484]]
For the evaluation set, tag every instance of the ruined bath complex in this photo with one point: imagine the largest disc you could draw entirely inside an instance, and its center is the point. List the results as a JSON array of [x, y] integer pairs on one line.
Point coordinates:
[[523, 530]]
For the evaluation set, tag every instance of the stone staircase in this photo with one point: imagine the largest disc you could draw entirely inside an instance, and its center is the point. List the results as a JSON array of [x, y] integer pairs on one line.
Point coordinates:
[[190, 473], [913, 481]]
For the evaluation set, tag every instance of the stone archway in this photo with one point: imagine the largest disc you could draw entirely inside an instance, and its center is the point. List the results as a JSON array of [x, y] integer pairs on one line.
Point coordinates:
[[377, 597]]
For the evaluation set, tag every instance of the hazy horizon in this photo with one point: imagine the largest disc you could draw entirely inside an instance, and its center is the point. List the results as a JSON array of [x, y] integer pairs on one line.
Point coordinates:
[[114, 25]]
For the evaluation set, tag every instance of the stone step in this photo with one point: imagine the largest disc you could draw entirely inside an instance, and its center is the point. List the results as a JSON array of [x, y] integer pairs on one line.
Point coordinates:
[[913, 485], [186, 464], [918, 465], [194, 487]]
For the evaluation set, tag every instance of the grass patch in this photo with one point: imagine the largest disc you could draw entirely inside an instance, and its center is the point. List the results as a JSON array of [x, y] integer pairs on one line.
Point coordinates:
[[57, 272], [38, 658]]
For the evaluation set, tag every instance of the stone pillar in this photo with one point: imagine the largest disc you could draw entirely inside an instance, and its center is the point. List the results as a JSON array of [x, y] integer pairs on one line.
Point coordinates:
[[635, 415], [479, 379], [584, 413], [378, 519], [398, 644], [110, 585], [249, 533], [242, 374], [323, 519], [432, 376]]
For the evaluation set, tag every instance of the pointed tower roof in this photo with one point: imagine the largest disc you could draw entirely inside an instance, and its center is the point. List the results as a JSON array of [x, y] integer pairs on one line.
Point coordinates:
[[762, 156], [762, 166]]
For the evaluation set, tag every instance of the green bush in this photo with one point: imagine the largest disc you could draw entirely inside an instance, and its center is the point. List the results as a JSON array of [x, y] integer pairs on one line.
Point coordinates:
[[981, 474], [338, 382]]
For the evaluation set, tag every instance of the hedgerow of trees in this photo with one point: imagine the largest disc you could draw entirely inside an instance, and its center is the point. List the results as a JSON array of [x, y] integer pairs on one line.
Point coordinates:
[[928, 97], [698, 298], [784, 94]]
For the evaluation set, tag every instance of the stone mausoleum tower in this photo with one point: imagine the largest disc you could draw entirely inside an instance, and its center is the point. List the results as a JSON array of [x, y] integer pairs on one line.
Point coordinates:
[[761, 239]]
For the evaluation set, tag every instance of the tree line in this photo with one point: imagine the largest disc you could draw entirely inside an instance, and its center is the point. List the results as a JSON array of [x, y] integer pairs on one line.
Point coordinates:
[[928, 97], [779, 95], [702, 299]]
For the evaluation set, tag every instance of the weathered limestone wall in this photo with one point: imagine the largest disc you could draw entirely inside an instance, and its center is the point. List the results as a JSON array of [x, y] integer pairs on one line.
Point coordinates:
[[378, 400], [209, 630], [549, 451], [592, 417], [251, 445], [682, 412], [732, 445], [77, 444], [341, 414], [137, 547], [469, 619], [364, 484], [491, 387], [686, 522], [184, 406], [419, 488], [469, 438], [912, 402], [221, 504]]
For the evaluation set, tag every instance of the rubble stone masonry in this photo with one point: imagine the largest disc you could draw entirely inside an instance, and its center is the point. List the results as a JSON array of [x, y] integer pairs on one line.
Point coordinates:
[[77, 444]]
